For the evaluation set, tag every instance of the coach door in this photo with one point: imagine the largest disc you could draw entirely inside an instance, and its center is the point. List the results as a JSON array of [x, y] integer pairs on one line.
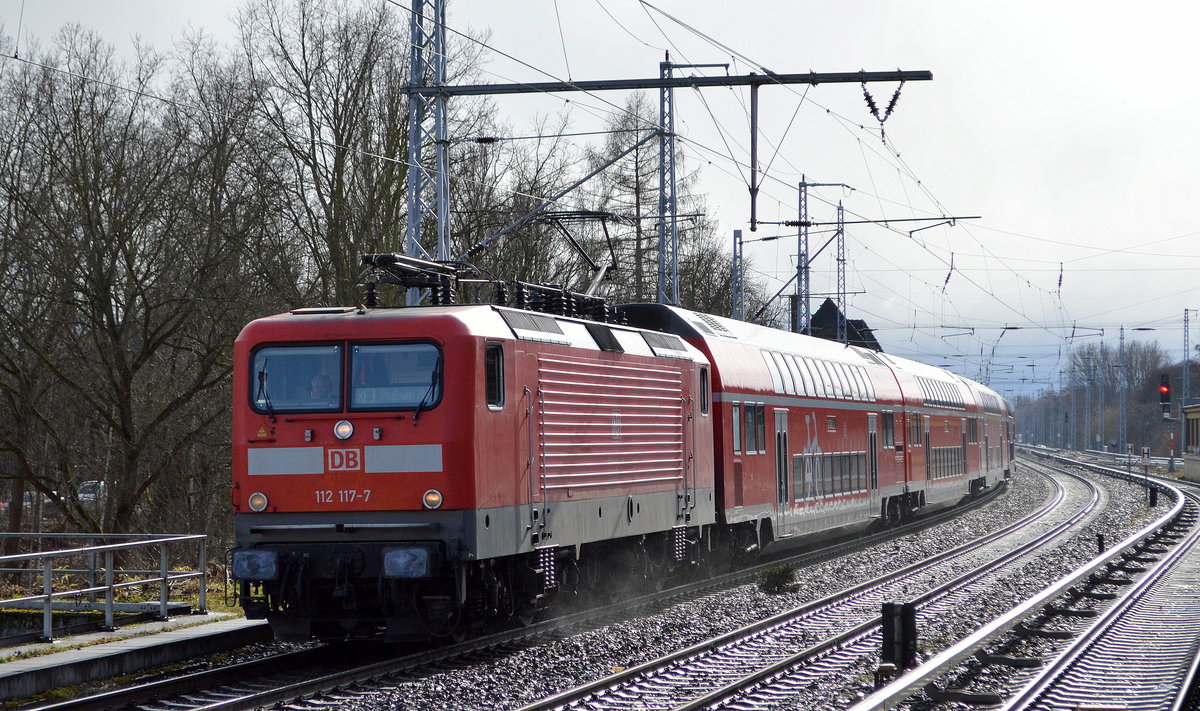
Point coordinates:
[[928, 451], [782, 458], [987, 449], [873, 459], [966, 462]]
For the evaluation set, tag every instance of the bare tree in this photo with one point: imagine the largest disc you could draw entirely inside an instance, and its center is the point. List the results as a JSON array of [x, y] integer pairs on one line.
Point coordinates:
[[129, 228], [331, 82], [1097, 379]]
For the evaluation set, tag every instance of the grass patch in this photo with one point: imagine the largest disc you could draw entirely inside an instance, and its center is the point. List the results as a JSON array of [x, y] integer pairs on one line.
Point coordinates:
[[778, 580]]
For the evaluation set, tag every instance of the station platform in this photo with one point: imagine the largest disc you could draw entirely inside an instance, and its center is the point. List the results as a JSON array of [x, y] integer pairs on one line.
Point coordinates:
[[29, 670]]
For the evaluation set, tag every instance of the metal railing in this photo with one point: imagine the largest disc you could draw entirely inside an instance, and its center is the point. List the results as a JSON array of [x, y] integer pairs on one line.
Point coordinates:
[[103, 595]]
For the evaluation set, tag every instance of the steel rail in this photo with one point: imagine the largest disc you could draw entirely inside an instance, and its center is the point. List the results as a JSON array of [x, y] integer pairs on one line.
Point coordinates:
[[872, 628], [917, 679], [615, 681], [1058, 673], [196, 682]]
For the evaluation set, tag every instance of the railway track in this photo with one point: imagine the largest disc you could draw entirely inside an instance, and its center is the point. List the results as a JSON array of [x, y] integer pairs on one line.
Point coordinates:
[[1141, 652], [756, 666], [1134, 647], [329, 673]]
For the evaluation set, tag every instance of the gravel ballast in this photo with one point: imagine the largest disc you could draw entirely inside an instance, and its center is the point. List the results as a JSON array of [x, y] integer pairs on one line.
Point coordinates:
[[528, 674]]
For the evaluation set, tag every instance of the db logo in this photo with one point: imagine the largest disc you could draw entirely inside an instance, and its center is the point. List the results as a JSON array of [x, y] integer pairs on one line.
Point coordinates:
[[343, 460]]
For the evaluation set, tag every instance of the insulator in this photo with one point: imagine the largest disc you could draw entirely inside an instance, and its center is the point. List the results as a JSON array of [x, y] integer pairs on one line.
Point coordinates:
[[372, 299], [536, 300], [870, 102]]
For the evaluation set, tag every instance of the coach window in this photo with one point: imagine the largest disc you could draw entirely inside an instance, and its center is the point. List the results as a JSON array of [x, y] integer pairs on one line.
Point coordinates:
[[749, 429], [773, 369], [494, 375], [914, 430], [814, 377], [799, 492], [704, 391], [761, 426], [855, 386], [785, 375], [737, 428], [843, 373], [797, 376], [834, 386], [888, 423]]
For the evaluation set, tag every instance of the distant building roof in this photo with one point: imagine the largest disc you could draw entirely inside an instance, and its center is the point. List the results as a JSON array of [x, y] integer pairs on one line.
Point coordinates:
[[824, 325]]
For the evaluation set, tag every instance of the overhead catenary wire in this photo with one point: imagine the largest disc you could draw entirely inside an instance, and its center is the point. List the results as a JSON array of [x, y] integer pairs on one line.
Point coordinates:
[[562, 39], [729, 156], [726, 48], [627, 31], [782, 200], [734, 53]]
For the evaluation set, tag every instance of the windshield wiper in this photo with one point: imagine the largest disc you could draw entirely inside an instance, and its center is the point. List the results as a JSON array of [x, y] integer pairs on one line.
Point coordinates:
[[434, 378], [262, 393]]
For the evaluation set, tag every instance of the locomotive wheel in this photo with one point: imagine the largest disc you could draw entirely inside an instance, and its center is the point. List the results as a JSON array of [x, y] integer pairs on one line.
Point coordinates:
[[526, 613], [437, 609]]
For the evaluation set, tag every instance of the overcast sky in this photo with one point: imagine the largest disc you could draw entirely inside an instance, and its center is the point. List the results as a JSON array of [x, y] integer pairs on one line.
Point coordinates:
[[1069, 127]]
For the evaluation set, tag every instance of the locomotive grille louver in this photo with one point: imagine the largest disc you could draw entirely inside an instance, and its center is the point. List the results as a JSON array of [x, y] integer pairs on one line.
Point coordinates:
[[714, 324], [531, 322]]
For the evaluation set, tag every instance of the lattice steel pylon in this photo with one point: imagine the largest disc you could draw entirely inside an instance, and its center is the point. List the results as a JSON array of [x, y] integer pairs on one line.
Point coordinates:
[[803, 310], [1123, 394], [428, 186], [841, 275], [668, 236], [739, 283], [1187, 385]]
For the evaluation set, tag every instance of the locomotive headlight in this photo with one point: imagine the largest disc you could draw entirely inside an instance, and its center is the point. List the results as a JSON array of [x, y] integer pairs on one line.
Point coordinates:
[[432, 499], [413, 562], [343, 430], [258, 501], [255, 565]]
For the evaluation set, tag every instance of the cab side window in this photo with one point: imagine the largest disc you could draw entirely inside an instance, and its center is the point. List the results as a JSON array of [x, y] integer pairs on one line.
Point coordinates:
[[494, 375]]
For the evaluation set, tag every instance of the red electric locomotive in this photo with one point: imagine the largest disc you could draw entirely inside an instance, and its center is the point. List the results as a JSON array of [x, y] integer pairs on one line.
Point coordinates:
[[410, 472], [413, 472]]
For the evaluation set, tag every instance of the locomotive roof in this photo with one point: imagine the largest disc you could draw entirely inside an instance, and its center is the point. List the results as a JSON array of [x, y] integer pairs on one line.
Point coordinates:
[[479, 320]]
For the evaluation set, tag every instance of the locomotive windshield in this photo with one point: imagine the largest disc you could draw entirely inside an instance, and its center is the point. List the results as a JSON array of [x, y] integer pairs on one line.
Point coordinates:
[[405, 376], [297, 379]]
